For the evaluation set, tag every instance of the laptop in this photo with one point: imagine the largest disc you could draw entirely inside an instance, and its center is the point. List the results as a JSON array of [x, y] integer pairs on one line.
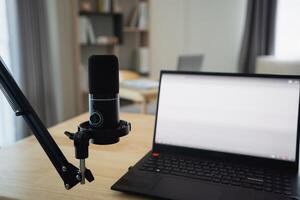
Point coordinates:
[[221, 136]]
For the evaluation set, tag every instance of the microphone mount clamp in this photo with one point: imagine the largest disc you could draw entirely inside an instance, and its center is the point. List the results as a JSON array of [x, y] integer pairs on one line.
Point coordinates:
[[87, 133]]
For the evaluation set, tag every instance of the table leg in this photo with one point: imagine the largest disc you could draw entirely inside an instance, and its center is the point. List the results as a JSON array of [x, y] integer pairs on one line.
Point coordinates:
[[144, 106]]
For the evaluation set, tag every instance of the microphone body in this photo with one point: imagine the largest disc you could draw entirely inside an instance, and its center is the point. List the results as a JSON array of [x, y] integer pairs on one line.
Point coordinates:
[[104, 126], [104, 100], [104, 111]]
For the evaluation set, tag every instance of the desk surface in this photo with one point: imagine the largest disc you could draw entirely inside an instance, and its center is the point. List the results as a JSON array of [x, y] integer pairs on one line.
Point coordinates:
[[26, 172]]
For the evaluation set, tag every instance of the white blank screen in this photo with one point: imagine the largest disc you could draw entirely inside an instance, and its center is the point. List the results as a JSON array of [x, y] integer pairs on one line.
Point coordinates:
[[241, 115]]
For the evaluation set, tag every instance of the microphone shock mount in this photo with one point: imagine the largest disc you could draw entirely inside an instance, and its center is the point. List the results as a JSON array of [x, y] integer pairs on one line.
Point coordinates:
[[86, 134]]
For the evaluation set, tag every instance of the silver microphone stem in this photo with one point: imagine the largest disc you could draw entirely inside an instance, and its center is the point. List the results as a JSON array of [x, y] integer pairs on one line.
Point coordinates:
[[82, 170]]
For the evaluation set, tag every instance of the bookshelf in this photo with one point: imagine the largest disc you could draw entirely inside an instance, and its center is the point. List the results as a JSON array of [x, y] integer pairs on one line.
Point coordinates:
[[120, 27], [126, 36], [135, 29]]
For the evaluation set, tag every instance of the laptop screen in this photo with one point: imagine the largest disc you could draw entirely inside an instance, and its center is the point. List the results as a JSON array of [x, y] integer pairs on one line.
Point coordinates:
[[255, 116]]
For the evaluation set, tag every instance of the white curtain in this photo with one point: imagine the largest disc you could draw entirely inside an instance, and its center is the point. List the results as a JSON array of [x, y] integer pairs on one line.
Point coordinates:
[[42, 42], [7, 128], [287, 43]]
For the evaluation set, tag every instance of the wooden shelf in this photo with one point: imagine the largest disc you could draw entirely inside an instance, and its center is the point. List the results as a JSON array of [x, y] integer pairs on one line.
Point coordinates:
[[133, 29], [84, 13], [99, 45]]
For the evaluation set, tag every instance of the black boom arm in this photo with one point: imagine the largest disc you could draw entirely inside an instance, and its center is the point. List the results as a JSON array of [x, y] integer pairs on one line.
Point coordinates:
[[68, 172]]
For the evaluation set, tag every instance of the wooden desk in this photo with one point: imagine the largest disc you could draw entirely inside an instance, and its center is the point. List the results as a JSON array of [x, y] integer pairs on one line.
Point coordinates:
[[125, 75], [26, 172]]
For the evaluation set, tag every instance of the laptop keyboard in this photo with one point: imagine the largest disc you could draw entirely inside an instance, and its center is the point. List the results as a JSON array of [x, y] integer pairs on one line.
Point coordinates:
[[219, 172]]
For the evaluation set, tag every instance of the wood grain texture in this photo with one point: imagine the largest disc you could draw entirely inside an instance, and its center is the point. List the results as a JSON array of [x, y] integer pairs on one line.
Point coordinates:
[[26, 172], [128, 75]]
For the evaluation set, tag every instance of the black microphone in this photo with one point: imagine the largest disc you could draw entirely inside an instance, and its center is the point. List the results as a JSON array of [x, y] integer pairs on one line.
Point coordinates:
[[103, 72], [104, 126]]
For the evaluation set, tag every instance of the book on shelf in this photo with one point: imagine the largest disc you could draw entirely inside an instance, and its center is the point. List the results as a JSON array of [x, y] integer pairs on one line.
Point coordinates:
[[86, 6], [109, 6], [132, 17], [104, 6], [116, 8], [143, 15], [142, 60], [139, 16], [86, 31]]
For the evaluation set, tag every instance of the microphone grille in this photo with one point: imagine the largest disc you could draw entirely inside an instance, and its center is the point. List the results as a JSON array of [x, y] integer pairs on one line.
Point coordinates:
[[103, 74]]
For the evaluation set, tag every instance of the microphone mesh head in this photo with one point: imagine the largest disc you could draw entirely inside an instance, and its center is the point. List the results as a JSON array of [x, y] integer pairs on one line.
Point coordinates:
[[103, 74]]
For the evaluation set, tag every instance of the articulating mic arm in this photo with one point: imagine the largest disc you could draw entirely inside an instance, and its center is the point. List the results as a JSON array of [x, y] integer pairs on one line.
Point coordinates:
[[68, 172]]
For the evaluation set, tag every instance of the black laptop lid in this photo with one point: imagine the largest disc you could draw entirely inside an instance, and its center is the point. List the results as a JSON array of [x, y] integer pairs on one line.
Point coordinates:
[[246, 116]]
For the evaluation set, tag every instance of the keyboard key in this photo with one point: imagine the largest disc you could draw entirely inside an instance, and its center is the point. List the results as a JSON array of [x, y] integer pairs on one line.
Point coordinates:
[[219, 172]]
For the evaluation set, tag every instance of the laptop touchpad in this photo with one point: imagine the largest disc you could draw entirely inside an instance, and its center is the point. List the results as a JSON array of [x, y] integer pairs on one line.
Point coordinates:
[[137, 182], [177, 188]]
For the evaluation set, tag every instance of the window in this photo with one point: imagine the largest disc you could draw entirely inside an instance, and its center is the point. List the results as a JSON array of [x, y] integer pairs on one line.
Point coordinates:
[[287, 42], [6, 115]]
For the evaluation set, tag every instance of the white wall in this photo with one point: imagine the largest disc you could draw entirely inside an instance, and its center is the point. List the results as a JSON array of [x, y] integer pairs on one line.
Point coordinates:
[[166, 36], [210, 27]]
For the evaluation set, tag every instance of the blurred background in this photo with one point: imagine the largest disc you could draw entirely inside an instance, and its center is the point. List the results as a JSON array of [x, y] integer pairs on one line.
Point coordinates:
[[46, 45]]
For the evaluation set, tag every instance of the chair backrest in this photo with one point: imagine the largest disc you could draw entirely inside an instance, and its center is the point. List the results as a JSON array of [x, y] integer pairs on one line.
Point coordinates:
[[190, 62], [273, 65]]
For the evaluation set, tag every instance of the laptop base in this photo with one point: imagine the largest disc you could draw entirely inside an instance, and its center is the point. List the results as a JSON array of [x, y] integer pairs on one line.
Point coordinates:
[[174, 187]]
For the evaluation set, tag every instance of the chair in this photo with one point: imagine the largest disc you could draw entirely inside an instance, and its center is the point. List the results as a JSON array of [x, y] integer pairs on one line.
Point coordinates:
[[273, 65], [190, 62]]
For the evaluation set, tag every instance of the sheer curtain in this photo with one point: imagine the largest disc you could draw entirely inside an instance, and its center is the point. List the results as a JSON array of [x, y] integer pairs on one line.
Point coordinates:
[[7, 125], [287, 42], [259, 33], [40, 36]]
